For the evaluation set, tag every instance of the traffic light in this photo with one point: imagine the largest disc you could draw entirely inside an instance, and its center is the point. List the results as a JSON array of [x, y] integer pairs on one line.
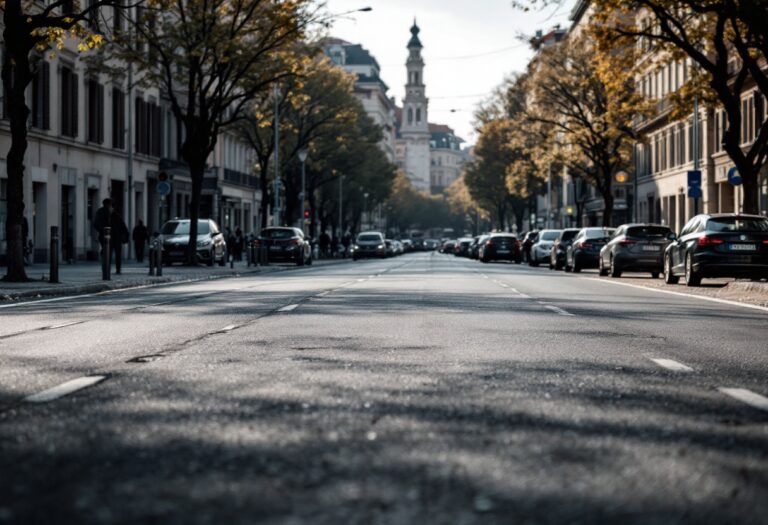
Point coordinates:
[[162, 176], [306, 214]]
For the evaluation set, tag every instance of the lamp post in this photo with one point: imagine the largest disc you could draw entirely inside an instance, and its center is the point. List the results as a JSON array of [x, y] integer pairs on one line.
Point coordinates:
[[277, 156], [303, 158], [365, 209]]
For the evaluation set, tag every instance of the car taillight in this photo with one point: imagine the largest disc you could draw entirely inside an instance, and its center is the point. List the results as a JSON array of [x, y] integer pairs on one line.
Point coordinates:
[[584, 244], [489, 243], [709, 241], [294, 241], [765, 241], [627, 242]]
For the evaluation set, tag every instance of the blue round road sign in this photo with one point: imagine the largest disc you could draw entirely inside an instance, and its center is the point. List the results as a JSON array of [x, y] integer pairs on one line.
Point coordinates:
[[163, 188], [734, 177]]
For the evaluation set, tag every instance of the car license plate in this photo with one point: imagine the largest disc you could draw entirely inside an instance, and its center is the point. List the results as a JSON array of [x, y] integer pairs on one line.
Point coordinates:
[[651, 248], [176, 254], [503, 251], [274, 248], [743, 247]]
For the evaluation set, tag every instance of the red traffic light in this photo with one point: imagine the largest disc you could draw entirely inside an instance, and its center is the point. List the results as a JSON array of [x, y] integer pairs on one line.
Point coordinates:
[[306, 214], [162, 176]]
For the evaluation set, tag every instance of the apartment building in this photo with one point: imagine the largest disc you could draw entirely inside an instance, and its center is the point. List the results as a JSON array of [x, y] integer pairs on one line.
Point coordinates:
[[92, 136], [446, 157]]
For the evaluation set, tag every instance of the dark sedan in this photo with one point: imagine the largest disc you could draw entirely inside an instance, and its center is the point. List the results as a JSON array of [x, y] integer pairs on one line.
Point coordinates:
[[584, 251], [285, 245], [636, 248], [501, 247], [474, 248], [557, 255], [718, 245], [211, 245], [462, 246]]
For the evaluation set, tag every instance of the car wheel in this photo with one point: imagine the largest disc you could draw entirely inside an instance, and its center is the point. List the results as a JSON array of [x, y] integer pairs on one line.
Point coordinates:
[[223, 260], [692, 278], [669, 278], [518, 261], [567, 267], [601, 268], [309, 261], [210, 260], [615, 272], [655, 275], [576, 268]]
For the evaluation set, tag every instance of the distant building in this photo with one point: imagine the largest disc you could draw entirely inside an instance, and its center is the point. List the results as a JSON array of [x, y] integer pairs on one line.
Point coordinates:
[[412, 147], [446, 157], [370, 89]]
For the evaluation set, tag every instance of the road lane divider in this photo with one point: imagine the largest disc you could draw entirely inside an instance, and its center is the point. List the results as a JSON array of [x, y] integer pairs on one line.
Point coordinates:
[[558, 311], [288, 308], [62, 325], [671, 364], [747, 396], [65, 389]]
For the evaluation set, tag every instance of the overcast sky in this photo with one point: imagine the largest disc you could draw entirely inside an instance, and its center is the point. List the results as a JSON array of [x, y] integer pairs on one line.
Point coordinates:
[[469, 47]]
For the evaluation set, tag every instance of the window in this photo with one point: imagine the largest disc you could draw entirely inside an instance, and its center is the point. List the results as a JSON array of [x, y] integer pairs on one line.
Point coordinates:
[[416, 78], [118, 119], [117, 16], [69, 107], [418, 115], [95, 112], [41, 98], [410, 116], [148, 128]]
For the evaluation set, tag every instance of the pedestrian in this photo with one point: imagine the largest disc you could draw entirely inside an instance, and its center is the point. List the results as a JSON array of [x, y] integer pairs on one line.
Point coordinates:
[[334, 246], [103, 219], [325, 241], [140, 236], [346, 241], [119, 237], [229, 238], [239, 241]]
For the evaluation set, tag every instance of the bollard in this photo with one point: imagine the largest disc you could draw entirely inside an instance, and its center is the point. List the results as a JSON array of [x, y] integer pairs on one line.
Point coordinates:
[[106, 263], [151, 259], [264, 256], [158, 257], [231, 261], [54, 256], [250, 254]]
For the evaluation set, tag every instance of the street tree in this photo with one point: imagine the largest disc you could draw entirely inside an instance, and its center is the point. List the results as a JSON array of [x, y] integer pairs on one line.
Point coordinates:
[[32, 29], [211, 58], [587, 100], [727, 41]]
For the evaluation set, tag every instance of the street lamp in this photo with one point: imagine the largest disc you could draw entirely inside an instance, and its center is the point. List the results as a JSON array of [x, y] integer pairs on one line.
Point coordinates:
[[365, 209], [303, 158]]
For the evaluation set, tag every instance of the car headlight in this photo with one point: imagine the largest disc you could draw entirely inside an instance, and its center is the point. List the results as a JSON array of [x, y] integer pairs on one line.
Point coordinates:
[[204, 243], [380, 246]]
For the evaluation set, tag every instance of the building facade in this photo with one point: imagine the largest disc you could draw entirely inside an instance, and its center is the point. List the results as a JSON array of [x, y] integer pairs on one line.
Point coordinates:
[[446, 158], [370, 89], [91, 137], [412, 148]]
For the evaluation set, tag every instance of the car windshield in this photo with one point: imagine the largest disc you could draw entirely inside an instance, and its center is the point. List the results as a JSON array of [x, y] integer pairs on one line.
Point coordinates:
[[182, 228], [549, 236], [598, 233], [648, 232], [278, 233], [369, 237], [735, 224], [568, 235]]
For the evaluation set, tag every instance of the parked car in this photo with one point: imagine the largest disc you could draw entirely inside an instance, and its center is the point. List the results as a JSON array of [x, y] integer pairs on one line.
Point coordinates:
[[501, 247], [462, 246], [431, 244], [528, 240], [637, 248], [407, 245], [399, 248], [559, 247], [718, 245], [285, 244], [541, 249], [448, 247], [211, 245], [369, 244], [474, 248], [584, 251]]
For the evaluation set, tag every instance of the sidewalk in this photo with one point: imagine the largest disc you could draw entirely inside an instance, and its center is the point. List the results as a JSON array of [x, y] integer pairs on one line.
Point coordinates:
[[85, 277]]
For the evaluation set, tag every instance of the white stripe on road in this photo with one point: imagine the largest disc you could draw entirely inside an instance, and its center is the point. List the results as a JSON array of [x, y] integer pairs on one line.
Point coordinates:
[[64, 389], [288, 308], [558, 311], [360, 280], [228, 328], [63, 325], [747, 396], [323, 294], [670, 364], [520, 294], [694, 296]]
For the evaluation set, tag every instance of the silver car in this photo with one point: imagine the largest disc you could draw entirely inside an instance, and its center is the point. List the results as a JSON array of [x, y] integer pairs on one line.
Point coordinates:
[[211, 245], [542, 248]]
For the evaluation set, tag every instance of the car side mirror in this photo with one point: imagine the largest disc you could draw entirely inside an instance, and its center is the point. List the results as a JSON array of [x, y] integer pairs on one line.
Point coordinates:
[[672, 237]]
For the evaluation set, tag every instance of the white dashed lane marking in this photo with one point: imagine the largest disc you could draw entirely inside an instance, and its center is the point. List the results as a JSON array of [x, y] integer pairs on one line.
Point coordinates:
[[747, 396], [228, 328], [558, 311], [670, 364], [64, 389], [288, 308]]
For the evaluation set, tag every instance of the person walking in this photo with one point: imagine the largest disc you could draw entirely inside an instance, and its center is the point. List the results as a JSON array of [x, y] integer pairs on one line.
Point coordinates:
[[239, 242], [325, 242], [103, 219], [120, 236], [140, 236]]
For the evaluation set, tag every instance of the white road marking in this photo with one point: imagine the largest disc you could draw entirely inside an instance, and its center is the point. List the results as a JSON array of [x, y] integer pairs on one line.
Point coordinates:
[[519, 293], [288, 308], [671, 365], [360, 280], [228, 328], [558, 311], [694, 296], [63, 325], [322, 294], [747, 396], [64, 389]]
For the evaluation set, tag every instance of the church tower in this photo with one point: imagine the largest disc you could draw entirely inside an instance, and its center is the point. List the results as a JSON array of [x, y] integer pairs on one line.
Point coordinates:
[[414, 128]]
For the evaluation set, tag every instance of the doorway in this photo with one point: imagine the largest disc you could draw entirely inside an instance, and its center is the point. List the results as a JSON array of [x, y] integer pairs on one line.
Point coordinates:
[[67, 233]]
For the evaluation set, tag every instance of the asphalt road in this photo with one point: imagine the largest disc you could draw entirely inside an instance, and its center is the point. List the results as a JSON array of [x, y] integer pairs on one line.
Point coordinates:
[[422, 389]]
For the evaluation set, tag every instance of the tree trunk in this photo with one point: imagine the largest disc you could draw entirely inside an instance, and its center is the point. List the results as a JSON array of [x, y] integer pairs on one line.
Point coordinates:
[[751, 196], [16, 77], [197, 172], [607, 209], [265, 195]]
